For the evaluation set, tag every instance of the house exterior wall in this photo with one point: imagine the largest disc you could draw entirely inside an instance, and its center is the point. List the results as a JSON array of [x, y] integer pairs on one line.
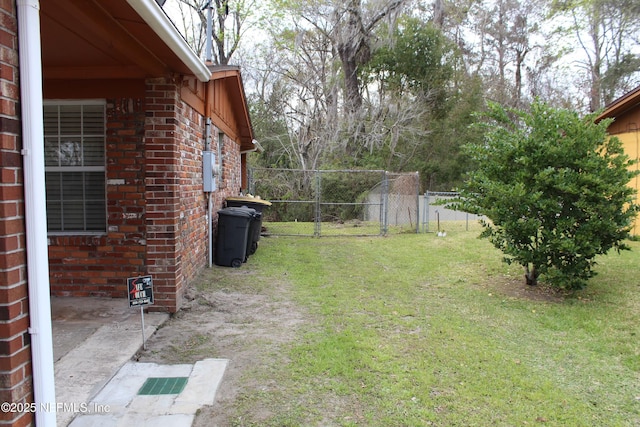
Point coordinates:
[[98, 265], [15, 352], [626, 127], [628, 122], [192, 218], [231, 182], [162, 193], [631, 144], [222, 99], [156, 209], [176, 216]]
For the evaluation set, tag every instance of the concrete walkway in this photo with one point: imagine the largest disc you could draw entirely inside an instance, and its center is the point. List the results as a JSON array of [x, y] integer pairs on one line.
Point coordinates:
[[97, 383]]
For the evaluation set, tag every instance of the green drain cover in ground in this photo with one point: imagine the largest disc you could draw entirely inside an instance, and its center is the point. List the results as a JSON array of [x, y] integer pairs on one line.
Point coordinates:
[[155, 386]]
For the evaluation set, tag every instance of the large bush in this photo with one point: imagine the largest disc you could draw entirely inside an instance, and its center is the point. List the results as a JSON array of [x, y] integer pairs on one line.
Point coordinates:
[[554, 187]]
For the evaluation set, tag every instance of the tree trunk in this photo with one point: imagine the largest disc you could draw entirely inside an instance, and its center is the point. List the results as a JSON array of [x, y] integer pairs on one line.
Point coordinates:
[[353, 98], [520, 54], [438, 14], [531, 275]]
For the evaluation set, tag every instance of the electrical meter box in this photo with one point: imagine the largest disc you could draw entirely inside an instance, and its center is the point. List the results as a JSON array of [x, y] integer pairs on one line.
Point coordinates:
[[209, 171]]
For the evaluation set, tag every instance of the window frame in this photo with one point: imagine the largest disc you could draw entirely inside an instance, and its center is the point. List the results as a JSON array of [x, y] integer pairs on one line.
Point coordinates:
[[75, 168], [220, 144]]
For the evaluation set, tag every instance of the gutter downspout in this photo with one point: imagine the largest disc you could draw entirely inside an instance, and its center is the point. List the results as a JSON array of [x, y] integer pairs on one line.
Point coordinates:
[[35, 211], [256, 147]]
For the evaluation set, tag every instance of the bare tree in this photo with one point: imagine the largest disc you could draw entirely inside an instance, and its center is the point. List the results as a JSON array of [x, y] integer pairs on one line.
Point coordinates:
[[607, 33], [506, 31], [321, 46], [349, 26], [230, 21], [296, 79]]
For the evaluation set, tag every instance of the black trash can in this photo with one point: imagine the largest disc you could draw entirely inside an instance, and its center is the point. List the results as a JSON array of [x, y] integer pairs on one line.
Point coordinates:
[[255, 227], [253, 203], [233, 236]]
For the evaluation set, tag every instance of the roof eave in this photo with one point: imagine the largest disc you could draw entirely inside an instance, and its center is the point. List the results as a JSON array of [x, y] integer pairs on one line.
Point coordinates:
[[155, 17], [621, 105], [233, 72]]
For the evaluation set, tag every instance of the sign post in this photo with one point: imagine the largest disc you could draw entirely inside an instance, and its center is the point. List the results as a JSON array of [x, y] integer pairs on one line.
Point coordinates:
[[140, 290]]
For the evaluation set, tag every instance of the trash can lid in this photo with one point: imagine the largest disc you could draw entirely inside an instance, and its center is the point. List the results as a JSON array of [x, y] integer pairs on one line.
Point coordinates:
[[249, 199], [243, 208], [253, 212], [237, 212]]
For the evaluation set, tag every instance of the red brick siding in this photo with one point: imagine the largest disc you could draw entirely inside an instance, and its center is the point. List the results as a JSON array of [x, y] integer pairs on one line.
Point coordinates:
[[99, 265], [193, 205], [177, 248], [156, 209], [162, 192], [232, 175], [15, 353]]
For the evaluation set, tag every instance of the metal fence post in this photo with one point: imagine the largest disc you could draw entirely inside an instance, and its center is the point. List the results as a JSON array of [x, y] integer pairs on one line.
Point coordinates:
[[384, 219], [426, 209], [318, 209], [251, 187], [417, 201]]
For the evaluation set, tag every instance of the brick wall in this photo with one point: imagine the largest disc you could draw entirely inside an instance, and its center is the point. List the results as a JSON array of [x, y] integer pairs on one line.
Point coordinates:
[[156, 209], [192, 227], [232, 175], [177, 213], [98, 265], [165, 215], [15, 354]]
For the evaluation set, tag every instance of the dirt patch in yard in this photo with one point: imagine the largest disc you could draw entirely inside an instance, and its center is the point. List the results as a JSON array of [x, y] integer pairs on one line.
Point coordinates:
[[515, 287], [231, 315]]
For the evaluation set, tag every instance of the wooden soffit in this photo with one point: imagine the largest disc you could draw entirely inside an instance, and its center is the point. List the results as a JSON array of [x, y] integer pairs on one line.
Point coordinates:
[[223, 99], [101, 40]]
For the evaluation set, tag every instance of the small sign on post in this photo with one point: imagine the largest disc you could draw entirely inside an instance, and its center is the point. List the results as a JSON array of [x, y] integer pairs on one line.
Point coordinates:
[[140, 290]]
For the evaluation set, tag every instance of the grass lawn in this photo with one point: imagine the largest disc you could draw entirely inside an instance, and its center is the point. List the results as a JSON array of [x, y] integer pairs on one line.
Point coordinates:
[[417, 330]]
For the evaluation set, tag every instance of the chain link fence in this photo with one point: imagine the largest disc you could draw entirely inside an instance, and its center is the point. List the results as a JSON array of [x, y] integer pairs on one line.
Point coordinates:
[[435, 216], [337, 202]]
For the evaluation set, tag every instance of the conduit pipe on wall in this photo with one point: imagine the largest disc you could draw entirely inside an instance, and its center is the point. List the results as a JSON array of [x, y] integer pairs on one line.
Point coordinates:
[[207, 147], [35, 210]]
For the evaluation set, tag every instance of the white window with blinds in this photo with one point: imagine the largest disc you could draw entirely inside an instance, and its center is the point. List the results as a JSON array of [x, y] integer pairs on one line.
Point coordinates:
[[74, 145]]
